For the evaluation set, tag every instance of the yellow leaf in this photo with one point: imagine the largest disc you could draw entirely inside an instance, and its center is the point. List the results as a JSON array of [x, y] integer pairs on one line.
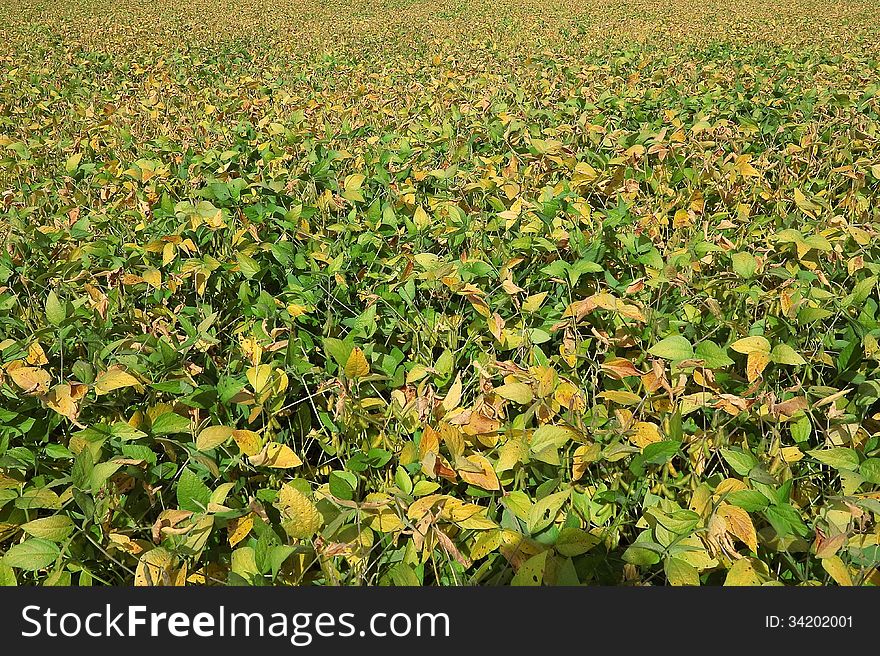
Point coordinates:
[[354, 181], [739, 524], [622, 397], [453, 396], [357, 366], [582, 457], [30, 379], [645, 433], [838, 570], [744, 168], [36, 355], [154, 568], [247, 441], [63, 399], [533, 302], [300, 518], [729, 486], [516, 392], [295, 310], [277, 456], [511, 453], [213, 436], [259, 377], [153, 277], [386, 521], [755, 365], [742, 573], [485, 478], [486, 543], [748, 345], [113, 379], [804, 203], [791, 454], [239, 529], [420, 218]]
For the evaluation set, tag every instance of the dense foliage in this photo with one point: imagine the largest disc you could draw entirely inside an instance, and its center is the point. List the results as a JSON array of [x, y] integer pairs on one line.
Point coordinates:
[[439, 293]]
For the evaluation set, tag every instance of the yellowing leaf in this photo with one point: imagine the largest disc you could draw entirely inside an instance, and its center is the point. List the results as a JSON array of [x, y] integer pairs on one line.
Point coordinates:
[[239, 529], [485, 478], [755, 344], [645, 433], [486, 543], [154, 568], [621, 397], [31, 380], [516, 392], [259, 377], [213, 436], [756, 362], [36, 355], [247, 441], [742, 573], [533, 302], [838, 570], [276, 456], [354, 181], [739, 524], [153, 277], [113, 379], [357, 366], [805, 204], [531, 572], [680, 572], [300, 519]]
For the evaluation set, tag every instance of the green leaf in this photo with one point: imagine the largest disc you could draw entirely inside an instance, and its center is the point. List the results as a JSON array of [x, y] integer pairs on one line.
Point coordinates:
[[675, 347], [785, 519], [192, 493], [101, 472], [544, 511], [744, 264], [248, 265], [55, 311], [740, 461], [32, 554], [343, 484], [748, 500], [338, 350], [54, 529], [643, 552], [170, 423], [277, 555], [837, 457], [712, 355], [870, 470], [658, 453], [862, 289]]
